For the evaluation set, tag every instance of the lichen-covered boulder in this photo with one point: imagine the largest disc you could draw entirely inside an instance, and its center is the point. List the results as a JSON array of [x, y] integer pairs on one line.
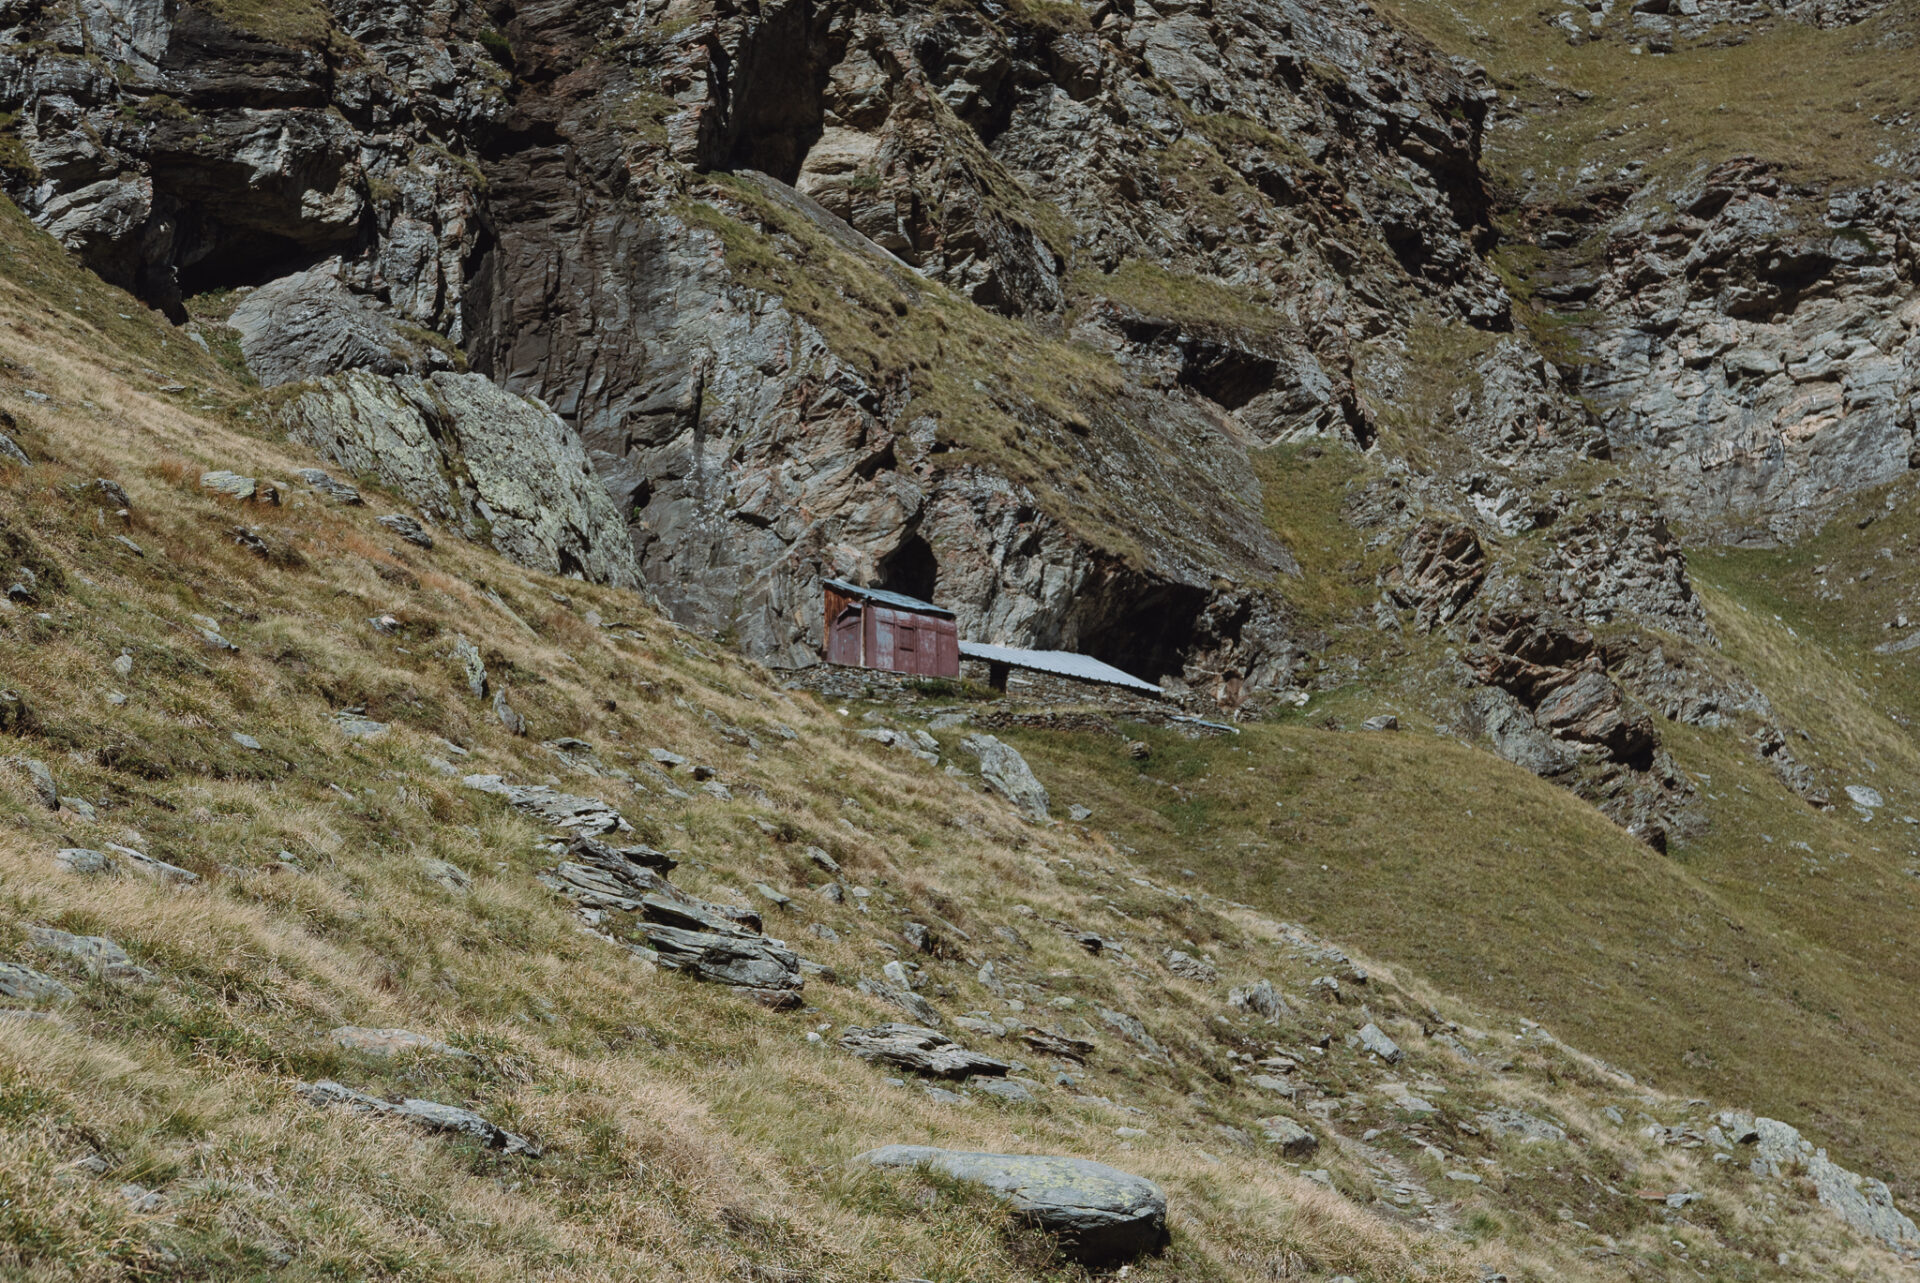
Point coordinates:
[[500, 468], [1099, 1214]]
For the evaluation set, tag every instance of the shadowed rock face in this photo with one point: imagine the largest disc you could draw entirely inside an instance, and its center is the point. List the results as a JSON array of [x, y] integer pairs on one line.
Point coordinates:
[[1761, 345]]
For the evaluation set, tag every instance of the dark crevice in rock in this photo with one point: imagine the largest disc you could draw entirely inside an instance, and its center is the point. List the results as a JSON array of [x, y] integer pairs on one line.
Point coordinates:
[[911, 569]]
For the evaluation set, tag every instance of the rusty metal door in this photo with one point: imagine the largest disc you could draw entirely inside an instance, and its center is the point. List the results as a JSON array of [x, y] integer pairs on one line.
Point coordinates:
[[843, 637], [906, 643], [880, 638], [945, 651]]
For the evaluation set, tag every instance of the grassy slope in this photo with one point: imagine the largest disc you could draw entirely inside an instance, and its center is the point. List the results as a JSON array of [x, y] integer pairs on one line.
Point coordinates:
[[688, 1133], [1765, 962], [1727, 970], [1794, 94]]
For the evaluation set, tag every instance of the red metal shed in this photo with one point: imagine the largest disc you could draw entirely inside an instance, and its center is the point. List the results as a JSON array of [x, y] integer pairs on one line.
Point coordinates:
[[873, 628]]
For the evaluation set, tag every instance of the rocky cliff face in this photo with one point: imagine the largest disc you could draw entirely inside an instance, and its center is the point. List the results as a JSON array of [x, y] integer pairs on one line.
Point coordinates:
[[999, 304], [538, 191], [1758, 344]]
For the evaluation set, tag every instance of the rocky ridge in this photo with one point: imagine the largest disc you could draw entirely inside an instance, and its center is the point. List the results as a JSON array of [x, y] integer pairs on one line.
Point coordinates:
[[1251, 193]]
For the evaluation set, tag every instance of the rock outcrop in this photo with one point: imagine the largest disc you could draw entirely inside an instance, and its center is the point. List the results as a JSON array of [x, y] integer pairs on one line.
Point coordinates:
[[423, 1113], [922, 1051], [558, 221], [1780, 1152], [719, 943], [496, 466], [1548, 703], [1764, 353]]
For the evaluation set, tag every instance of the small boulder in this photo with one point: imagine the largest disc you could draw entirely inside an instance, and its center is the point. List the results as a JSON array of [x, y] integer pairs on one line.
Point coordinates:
[[235, 486], [80, 860], [1867, 799], [1188, 967], [1382, 722], [1375, 1040], [335, 490], [903, 998], [41, 778], [1507, 1120], [408, 528], [1002, 1089], [101, 956], [1260, 998], [449, 875], [472, 666], [24, 984], [1099, 1214], [356, 725], [1007, 773], [1294, 1140]]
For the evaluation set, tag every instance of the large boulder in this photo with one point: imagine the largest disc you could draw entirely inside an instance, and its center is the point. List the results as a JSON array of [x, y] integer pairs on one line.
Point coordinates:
[[309, 325], [1007, 773], [498, 467], [1099, 1214]]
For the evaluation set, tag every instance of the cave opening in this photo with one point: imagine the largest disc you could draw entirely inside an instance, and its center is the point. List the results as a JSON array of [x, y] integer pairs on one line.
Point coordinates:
[[231, 259], [911, 569], [1149, 635], [1229, 377]]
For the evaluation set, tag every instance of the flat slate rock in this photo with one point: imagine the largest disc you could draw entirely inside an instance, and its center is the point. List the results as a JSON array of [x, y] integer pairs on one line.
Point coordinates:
[[82, 860], [427, 1113], [24, 984], [101, 956], [588, 815], [332, 487], [1099, 1214], [904, 998], [924, 1051], [237, 486], [768, 972], [358, 726]]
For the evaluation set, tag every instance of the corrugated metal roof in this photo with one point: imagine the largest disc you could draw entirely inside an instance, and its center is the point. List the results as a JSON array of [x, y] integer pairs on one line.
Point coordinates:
[[886, 598], [1063, 662]]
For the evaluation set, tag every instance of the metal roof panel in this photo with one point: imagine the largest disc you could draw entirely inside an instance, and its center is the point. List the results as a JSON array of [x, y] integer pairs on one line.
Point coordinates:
[[1064, 663], [886, 598]]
